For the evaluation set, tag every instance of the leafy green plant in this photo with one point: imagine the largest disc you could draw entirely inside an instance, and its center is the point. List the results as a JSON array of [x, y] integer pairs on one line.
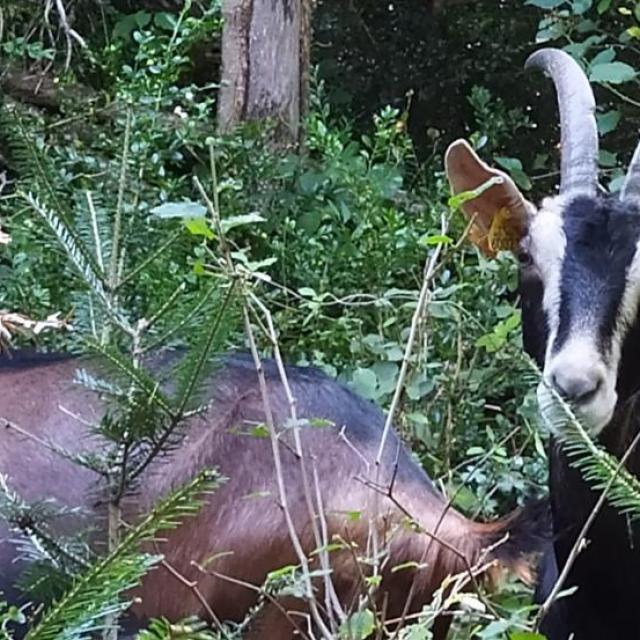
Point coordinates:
[[336, 235], [601, 36]]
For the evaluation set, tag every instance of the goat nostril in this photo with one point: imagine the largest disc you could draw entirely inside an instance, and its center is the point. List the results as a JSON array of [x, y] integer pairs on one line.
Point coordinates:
[[589, 391], [579, 389]]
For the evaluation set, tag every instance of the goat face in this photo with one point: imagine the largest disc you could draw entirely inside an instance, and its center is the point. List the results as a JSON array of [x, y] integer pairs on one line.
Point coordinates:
[[578, 252]]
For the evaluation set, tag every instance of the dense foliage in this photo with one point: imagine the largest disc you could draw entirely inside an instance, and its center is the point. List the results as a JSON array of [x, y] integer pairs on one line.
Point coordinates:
[[337, 233]]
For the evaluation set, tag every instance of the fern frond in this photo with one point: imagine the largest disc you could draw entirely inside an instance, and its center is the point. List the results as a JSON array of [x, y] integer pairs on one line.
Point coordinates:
[[31, 162], [104, 387], [92, 224], [598, 467], [202, 310], [37, 542], [97, 594], [197, 365], [136, 376], [77, 253]]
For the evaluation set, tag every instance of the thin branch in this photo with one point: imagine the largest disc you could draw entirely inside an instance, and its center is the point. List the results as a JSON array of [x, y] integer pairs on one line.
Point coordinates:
[[282, 492], [117, 222], [192, 585], [69, 33], [96, 232], [313, 516], [256, 589], [423, 299], [578, 545]]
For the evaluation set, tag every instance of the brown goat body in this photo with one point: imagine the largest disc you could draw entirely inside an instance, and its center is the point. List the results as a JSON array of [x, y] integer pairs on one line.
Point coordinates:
[[240, 534]]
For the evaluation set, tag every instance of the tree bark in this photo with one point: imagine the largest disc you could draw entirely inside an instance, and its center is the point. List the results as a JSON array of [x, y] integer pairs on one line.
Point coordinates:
[[265, 61]]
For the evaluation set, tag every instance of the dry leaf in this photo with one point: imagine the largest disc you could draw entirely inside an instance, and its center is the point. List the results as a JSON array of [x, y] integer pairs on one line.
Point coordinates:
[[13, 323], [5, 238]]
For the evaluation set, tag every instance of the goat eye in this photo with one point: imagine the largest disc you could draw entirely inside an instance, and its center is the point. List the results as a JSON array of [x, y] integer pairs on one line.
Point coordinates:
[[524, 258]]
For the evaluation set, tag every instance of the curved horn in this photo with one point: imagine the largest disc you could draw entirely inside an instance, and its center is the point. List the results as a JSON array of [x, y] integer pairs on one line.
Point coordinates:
[[631, 186], [579, 133]]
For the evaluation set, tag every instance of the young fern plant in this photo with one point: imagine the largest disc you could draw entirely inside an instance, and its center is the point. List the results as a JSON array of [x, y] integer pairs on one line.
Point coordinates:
[[96, 592], [144, 418]]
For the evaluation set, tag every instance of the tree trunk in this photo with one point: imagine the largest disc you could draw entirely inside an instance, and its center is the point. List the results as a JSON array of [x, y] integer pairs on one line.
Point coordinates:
[[265, 62]]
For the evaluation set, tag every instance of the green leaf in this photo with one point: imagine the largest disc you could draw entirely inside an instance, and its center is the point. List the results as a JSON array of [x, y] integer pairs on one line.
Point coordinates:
[[579, 49], [387, 179], [320, 423], [358, 626], [179, 210], [608, 121], [123, 27], [165, 20], [365, 382], [412, 564], [526, 635], [616, 183], [546, 4], [603, 6], [612, 73], [607, 159], [578, 7], [606, 55], [260, 431], [239, 221], [387, 375], [514, 167], [550, 31], [495, 629], [435, 239], [459, 199], [199, 227], [282, 572], [311, 181], [310, 221], [417, 632], [498, 337]]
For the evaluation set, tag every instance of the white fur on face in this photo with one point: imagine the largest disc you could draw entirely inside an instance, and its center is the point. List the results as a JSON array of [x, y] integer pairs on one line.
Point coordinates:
[[547, 246], [628, 310], [581, 356], [580, 360]]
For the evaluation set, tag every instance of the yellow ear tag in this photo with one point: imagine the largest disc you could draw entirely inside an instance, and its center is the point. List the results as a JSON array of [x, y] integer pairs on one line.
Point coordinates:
[[503, 234]]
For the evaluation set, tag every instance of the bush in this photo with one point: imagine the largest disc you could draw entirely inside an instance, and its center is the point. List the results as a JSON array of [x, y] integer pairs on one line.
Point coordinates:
[[339, 231]]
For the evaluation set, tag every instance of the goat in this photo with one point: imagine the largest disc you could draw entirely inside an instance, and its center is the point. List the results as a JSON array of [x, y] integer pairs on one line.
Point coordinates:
[[579, 289], [242, 524]]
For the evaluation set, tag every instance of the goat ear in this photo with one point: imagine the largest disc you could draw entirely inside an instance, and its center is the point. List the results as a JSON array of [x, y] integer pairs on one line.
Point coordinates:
[[500, 213]]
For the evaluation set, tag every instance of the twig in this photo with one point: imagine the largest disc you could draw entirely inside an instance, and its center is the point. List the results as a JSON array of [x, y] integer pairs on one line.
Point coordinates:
[[578, 544], [9, 424], [423, 299], [69, 33], [282, 493], [117, 221], [96, 232], [320, 541], [256, 589], [192, 585]]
